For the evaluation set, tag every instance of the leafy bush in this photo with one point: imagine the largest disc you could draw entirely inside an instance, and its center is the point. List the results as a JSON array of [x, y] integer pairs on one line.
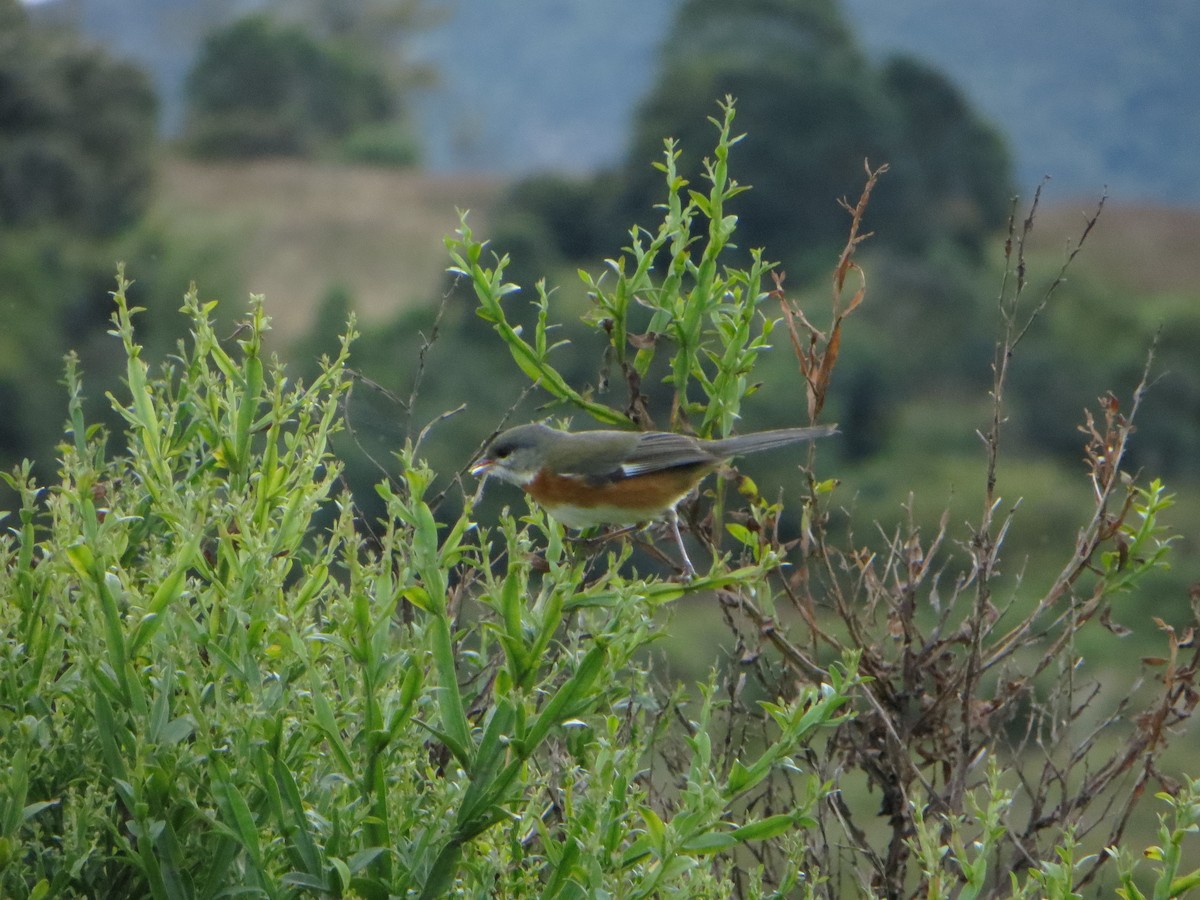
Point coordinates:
[[215, 677]]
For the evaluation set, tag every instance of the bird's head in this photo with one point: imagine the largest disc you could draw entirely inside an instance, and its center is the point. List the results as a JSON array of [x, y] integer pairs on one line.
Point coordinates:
[[518, 454]]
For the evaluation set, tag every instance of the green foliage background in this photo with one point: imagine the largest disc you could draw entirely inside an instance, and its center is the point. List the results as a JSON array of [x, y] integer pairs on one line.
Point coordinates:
[[187, 571]]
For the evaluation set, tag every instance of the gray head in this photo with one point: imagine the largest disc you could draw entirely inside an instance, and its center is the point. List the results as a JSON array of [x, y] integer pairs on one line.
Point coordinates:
[[517, 454]]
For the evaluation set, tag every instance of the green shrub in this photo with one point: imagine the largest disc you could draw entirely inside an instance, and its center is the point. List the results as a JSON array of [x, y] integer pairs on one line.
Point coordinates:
[[204, 691]]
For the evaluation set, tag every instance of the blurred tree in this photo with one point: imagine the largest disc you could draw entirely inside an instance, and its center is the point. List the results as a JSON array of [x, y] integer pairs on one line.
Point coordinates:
[[261, 87], [815, 109], [77, 131], [962, 179]]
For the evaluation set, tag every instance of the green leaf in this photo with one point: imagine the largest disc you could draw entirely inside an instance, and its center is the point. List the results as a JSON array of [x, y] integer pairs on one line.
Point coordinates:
[[328, 724], [656, 830], [740, 778], [741, 534], [167, 593], [575, 691], [236, 812], [765, 828], [485, 788], [712, 842]]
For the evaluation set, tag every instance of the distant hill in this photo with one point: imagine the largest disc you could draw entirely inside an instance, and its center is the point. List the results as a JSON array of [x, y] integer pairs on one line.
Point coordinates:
[[1091, 94]]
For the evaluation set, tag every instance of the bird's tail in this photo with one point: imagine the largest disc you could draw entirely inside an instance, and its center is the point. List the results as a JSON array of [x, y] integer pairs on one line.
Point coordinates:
[[765, 440]]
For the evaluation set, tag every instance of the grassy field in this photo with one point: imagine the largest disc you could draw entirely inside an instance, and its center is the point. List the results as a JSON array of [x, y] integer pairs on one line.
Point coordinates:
[[1147, 249], [300, 229]]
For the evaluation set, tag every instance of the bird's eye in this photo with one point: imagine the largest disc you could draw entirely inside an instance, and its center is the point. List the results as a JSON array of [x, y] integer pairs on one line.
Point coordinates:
[[501, 452]]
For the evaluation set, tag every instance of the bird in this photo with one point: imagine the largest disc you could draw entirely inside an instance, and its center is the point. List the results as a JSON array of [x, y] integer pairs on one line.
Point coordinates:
[[603, 477]]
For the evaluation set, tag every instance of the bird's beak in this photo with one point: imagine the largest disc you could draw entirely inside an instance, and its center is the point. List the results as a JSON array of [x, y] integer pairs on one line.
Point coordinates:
[[482, 466]]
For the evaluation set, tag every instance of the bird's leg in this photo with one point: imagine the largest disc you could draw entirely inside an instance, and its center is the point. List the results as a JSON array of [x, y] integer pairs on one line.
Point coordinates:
[[689, 571], [605, 536]]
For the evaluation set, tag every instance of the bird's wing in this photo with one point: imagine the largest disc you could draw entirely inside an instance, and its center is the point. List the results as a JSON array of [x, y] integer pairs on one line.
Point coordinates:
[[662, 450]]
